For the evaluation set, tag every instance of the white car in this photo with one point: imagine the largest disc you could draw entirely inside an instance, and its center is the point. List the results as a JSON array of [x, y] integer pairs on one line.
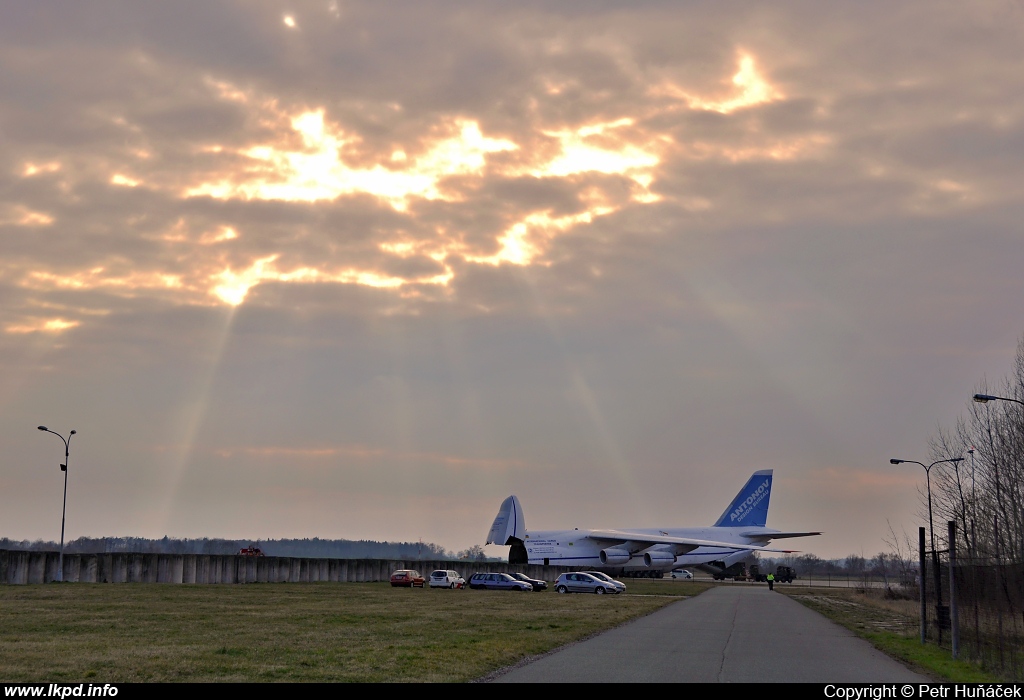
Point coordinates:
[[446, 579], [681, 573]]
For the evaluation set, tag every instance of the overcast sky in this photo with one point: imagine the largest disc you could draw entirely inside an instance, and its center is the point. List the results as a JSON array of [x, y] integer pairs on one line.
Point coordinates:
[[363, 269]]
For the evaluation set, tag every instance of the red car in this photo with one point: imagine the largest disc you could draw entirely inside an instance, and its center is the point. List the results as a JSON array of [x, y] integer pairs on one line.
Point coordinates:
[[407, 578]]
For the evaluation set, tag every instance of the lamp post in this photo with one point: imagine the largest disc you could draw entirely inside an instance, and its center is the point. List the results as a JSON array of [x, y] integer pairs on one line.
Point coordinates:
[[931, 530], [64, 509], [985, 398]]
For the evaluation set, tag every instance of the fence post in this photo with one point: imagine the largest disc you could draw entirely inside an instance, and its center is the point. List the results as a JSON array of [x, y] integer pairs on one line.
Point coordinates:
[[953, 613], [923, 577]]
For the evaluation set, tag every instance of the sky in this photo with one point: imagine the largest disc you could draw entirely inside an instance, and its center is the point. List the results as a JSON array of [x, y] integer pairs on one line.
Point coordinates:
[[363, 269]]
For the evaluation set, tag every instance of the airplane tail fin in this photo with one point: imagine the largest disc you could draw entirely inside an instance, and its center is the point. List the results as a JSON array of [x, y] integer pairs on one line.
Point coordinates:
[[750, 507], [509, 523]]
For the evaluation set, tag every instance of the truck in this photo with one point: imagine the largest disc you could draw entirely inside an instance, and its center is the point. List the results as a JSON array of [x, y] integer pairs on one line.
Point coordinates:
[[785, 574], [737, 572]]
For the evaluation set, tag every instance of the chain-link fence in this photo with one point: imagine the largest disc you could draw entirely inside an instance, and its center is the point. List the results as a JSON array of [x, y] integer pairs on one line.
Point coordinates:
[[978, 614]]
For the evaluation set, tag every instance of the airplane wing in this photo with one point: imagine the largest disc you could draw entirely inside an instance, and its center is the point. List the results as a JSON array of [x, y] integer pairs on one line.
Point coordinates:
[[620, 536], [777, 535]]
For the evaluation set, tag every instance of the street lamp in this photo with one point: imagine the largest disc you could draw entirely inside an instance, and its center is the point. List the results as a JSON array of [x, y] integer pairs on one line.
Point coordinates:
[[931, 527], [985, 398], [63, 468]]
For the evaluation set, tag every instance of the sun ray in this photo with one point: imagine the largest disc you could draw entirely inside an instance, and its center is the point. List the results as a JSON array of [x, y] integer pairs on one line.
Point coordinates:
[[606, 441], [190, 421]]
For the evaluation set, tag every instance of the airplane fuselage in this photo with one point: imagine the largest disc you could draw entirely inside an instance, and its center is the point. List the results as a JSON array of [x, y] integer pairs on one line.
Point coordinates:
[[581, 548]]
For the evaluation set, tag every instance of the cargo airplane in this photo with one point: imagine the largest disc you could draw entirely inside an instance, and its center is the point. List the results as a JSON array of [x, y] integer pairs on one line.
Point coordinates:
[[739, 532]]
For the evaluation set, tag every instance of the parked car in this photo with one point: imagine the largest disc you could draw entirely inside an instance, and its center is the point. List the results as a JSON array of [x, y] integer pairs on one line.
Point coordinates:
[[407, 578], [681, 573], [605, 577], [443, 578], [580, 582], [537, 584], [498, 582]]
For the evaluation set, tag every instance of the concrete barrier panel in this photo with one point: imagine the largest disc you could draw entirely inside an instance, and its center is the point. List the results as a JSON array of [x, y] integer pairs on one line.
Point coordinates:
[[150, 568], [87, 569], [51, 567], [188, 568], [117, 567], [72, 567], [17, 568], [36, 567]]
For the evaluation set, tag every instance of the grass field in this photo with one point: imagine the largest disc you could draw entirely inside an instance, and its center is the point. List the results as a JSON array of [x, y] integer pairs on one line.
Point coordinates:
[[366, 632]]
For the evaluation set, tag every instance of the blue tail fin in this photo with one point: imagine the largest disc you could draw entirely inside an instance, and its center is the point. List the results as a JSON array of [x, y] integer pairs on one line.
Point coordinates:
[[750, 507]]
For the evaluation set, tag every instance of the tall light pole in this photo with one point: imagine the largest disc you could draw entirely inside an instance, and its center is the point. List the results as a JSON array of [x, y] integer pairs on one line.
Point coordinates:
[[64, 509], [931, 529]]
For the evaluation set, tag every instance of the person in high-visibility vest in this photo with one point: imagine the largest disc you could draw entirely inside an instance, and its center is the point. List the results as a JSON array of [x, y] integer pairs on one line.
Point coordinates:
[[771, 582]]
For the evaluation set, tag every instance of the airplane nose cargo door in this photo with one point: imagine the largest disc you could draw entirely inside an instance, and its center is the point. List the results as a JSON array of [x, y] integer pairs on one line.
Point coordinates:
[[509, 528]]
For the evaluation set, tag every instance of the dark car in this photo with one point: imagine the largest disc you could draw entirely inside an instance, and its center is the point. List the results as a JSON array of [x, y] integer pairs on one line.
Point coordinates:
[[408, 578], [537, 584], [498, 582]]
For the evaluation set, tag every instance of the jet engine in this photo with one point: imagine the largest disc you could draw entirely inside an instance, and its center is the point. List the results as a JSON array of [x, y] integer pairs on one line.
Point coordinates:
[[614, 557], [659, 558]]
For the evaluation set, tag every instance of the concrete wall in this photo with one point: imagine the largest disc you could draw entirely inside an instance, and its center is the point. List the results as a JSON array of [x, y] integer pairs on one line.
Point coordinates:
[[18, 567]]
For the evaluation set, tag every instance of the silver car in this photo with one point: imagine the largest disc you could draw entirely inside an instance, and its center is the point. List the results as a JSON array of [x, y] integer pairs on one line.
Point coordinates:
[[605, 577], [580, 582]]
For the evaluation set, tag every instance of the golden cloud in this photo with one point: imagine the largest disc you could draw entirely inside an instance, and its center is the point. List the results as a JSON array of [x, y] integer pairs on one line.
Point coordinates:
[[310, 158]]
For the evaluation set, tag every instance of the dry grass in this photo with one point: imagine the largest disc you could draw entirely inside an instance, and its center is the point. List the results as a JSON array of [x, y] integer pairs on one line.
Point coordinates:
[[867, 610], [294, 632]]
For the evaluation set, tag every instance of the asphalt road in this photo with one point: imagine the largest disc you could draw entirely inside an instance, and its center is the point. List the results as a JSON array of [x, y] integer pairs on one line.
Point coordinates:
[[730, 634]]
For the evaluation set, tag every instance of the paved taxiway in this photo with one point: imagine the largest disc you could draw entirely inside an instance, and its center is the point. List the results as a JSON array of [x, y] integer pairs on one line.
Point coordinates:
[[737, 634]]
